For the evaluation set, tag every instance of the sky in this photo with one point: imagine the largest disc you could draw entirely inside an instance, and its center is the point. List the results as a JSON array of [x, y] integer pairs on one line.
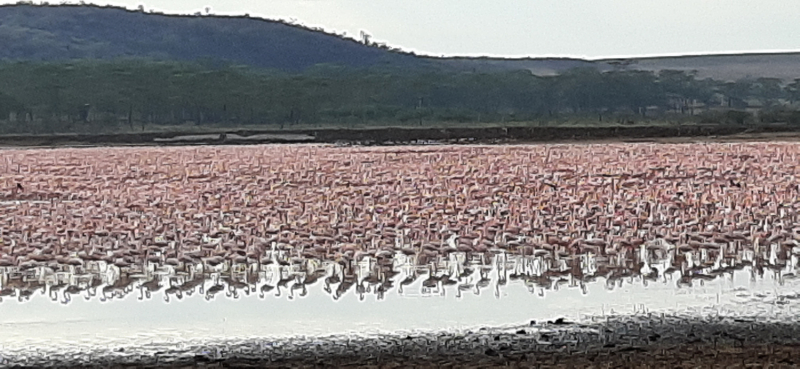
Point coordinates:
[[590, 29]]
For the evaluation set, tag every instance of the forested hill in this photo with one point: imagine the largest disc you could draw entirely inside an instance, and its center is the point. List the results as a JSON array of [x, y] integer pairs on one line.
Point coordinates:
[[63, 32], [48, 33], [74, 68], [724, 67]]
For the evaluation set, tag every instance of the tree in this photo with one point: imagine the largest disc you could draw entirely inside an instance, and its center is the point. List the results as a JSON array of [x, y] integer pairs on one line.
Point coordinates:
[[793, 91], [769, 90], [9, 105], [635, 90], [365, 37], [582, 89], [736, 93]]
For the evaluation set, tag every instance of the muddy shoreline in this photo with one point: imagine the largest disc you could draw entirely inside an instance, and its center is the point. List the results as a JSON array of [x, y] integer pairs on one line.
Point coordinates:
[[625, 341], [393, 136]]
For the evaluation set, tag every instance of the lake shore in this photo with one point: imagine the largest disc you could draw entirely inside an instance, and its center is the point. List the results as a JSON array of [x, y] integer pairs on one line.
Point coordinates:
[[654, 341], [417, 135]]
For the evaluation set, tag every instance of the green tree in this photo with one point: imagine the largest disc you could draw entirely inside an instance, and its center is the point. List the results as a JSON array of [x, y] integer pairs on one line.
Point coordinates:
[[769, 90], [793, 91]]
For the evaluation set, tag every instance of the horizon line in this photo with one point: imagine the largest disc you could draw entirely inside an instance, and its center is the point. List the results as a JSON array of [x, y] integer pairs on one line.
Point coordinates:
[[610, 57]]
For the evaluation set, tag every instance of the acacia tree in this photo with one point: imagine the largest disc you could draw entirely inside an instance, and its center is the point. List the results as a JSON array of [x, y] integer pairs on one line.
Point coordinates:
[[9, 105], [793, 91], [769, 90], [736, 93]]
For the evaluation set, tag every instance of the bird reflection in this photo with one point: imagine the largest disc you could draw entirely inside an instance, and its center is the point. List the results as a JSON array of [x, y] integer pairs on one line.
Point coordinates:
[[462, 275]]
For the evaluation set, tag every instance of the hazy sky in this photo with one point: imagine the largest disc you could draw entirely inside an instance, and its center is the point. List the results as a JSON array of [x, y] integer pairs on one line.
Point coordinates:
[[578, 28]]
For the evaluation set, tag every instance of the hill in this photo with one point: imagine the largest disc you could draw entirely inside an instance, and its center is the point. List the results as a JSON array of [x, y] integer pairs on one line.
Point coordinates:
[[729, 67], [725, 67], [49, 33]]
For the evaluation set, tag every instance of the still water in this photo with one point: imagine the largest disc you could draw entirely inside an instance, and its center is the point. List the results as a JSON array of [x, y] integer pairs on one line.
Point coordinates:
[[128, 321]]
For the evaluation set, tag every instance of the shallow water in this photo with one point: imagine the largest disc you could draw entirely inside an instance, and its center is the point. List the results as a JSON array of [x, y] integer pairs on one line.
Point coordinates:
[[153, 306], [128, 321]]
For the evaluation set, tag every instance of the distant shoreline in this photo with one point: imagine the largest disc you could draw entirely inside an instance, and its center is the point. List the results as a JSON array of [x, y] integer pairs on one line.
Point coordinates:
[[414, 135]]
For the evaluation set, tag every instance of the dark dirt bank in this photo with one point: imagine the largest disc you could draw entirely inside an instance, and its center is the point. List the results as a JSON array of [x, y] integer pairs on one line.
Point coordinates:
[[680, 356], [639, 341], [389, 136]]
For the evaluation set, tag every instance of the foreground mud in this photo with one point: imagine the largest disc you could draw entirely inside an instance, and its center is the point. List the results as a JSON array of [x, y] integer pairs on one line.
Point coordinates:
[[612, 342]]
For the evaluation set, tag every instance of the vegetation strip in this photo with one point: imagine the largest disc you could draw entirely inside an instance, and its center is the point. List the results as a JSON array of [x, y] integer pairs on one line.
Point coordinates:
[[124, 96]]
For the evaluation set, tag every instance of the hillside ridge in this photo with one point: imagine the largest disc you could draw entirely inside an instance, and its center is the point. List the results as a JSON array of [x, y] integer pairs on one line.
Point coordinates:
[[76, 31]]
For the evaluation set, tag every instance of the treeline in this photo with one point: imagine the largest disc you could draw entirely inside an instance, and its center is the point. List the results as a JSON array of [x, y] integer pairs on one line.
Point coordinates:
[[117, 95]]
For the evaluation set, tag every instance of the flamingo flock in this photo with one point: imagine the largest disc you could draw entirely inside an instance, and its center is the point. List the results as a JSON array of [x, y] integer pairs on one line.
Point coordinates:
[[285, 217]]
